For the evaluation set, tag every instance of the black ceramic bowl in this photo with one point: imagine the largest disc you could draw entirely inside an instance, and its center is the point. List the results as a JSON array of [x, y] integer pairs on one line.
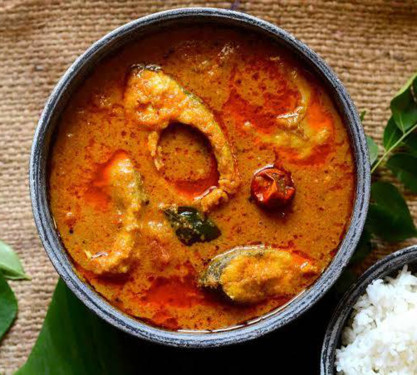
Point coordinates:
[[389, 266], [50, 117]]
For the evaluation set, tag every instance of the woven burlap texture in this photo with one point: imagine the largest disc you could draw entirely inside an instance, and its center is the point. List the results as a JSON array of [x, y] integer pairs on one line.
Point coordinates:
[[372, 46]]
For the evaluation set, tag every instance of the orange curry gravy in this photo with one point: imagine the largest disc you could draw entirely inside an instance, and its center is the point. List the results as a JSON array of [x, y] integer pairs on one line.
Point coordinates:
[[237, 78]]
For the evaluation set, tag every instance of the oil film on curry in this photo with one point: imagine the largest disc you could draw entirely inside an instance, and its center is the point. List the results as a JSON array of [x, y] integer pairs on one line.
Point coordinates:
[[201, 178]]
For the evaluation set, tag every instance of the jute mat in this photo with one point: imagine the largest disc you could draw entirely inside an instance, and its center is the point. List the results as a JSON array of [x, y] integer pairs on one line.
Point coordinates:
[[372, 46]]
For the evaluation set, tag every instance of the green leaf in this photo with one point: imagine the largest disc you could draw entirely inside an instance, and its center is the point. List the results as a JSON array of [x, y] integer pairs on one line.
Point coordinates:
[[388, 215], [8, 306], [392, 134], [373, 150], [362, 115], [410, 143], [404, 105], [191, 226], [363, 249], [404, 166], [75, 341], [10, 264]]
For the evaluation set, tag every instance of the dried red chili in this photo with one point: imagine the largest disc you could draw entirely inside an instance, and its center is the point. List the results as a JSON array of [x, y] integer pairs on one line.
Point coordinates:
[[272, 187]]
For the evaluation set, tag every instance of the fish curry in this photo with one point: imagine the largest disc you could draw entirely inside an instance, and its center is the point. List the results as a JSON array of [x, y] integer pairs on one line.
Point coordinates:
[[201, 178]]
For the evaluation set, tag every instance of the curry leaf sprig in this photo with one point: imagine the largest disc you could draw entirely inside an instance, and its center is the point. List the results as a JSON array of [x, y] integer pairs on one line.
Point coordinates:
[[10, 269], [400, 130], [389, 217]]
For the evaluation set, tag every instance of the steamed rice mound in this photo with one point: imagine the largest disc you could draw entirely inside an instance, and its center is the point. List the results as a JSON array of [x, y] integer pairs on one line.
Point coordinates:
[[382, 335]]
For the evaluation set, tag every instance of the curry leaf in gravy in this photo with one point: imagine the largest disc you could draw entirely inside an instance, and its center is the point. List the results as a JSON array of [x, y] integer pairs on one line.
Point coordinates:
[[373, 150], [404, 105], [8, 306], [10, 265], [191, 226], [404, 167], [389, 217]]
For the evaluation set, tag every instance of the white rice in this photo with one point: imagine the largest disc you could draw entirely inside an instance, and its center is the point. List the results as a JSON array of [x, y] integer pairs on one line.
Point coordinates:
[[382, 335]]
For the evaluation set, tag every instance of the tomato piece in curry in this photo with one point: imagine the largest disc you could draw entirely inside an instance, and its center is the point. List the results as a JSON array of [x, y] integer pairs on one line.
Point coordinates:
[[163, 141]]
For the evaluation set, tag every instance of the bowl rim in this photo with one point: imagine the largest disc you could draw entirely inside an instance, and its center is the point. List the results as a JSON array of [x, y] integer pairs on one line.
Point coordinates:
[[46, 225], [382, 268]]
